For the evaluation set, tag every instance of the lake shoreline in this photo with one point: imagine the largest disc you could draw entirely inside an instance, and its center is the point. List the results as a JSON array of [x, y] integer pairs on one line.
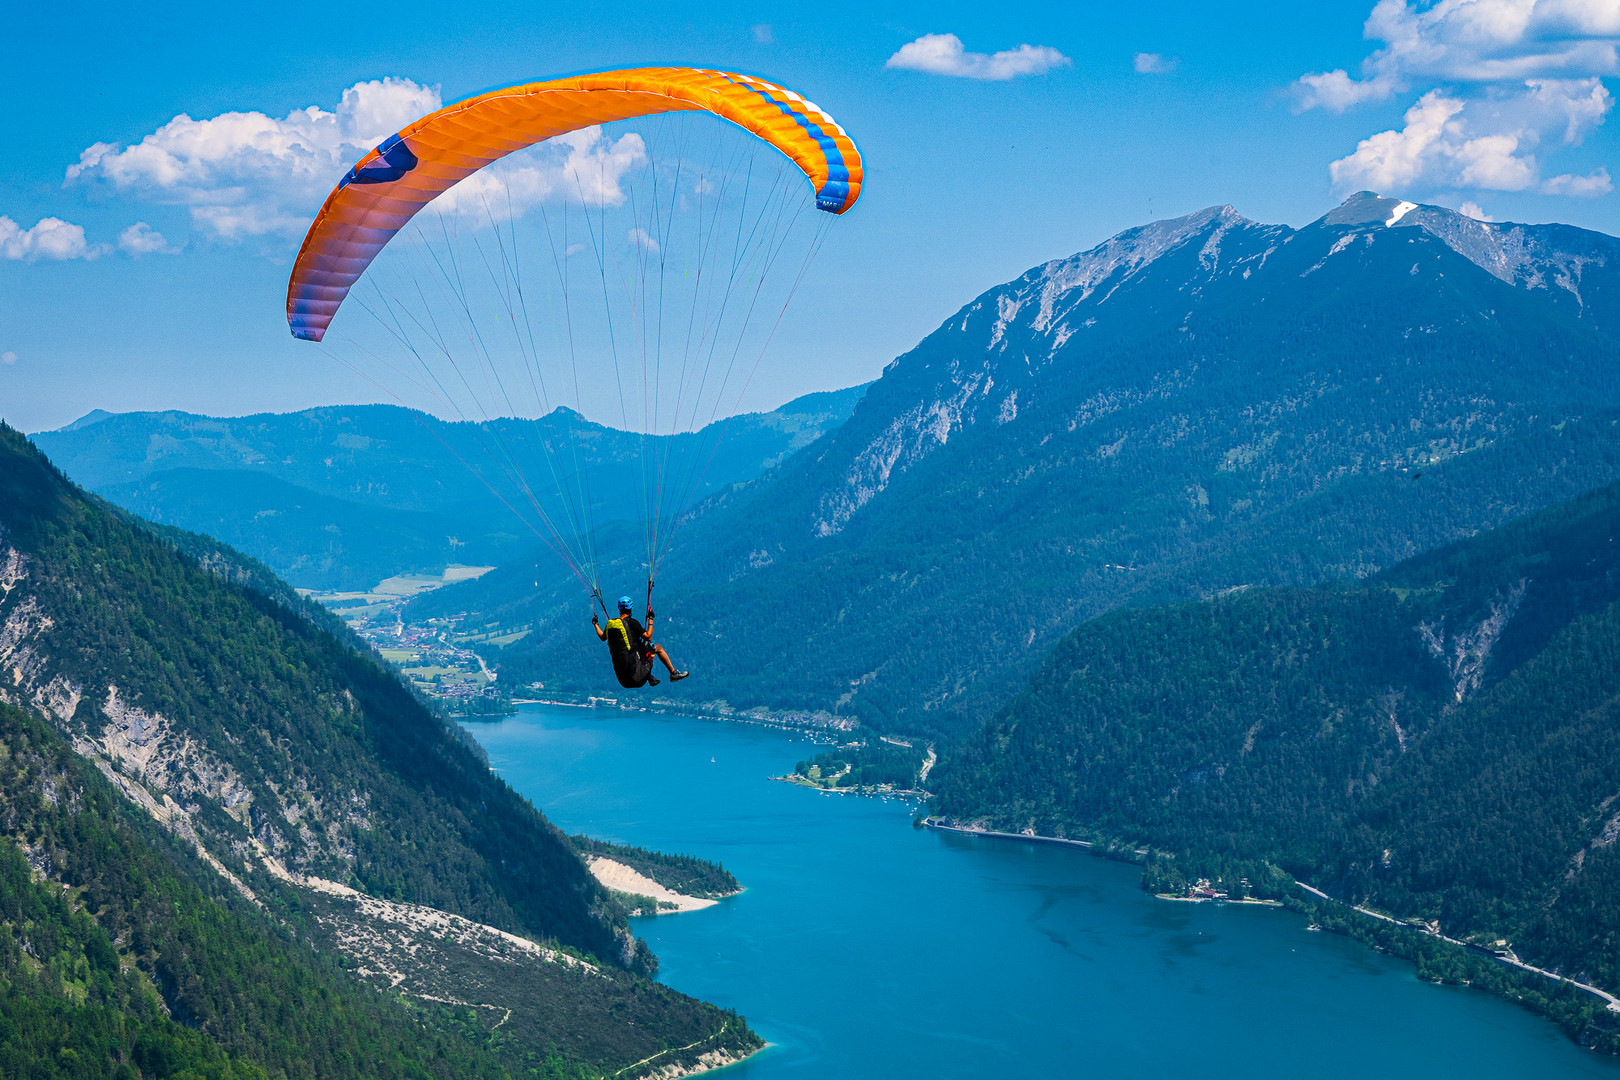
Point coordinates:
[[870, 791], [1611, 1001], [804, 723], [1028, 838], [1254, 901], [823, 879]]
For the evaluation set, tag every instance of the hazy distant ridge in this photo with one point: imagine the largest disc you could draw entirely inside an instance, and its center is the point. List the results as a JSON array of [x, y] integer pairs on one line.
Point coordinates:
[[344, 496]]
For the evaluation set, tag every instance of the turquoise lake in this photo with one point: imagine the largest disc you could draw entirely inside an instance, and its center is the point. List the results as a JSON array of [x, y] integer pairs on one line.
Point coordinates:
[[863, 947]]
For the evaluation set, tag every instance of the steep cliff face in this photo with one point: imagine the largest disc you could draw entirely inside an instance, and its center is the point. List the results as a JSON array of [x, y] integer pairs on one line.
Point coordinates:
[[1195, 405], [238, 719], [1013, 348], [287, 761]]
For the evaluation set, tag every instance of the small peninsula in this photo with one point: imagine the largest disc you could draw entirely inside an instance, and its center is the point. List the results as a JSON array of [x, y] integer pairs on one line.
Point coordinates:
[[886, 765], [653, 883]]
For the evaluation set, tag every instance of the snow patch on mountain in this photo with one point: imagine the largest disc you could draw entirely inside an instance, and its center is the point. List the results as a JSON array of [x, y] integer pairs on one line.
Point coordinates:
[[1401, 210], [1527, 256]]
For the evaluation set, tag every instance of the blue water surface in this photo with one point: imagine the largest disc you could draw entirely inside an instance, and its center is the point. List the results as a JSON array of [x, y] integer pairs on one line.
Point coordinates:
[[863, 947]]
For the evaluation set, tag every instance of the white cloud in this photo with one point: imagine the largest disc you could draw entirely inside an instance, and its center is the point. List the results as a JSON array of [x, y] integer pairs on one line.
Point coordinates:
[[1521, 77], [8, 358], [944, 54], [763, 34], [1449, 143], [246, 173], [1579, 104], [1472, 41], [579, 165], [1475, 211], [642, 240], [1493, 162], [1393, 160], [1152, 63], [1336, 91], [1487, 143], [51, 238], [141, 239], [1589, 186]]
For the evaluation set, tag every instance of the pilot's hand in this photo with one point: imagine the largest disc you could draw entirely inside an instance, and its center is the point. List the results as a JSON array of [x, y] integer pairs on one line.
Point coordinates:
[[649, 614], [593, 619]]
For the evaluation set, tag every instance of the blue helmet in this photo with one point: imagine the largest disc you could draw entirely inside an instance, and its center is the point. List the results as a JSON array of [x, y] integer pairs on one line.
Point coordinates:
[[624, 603]]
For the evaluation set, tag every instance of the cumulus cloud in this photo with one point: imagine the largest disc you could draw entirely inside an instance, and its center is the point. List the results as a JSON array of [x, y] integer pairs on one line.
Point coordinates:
[[1152, 63], [8, 358], [1578, 104], [141, 239], [244, 174], [944, 54], [1519, 79], [584, 166], [1391, 160], [1589, 186], [1486, 143], [1472, 41], [642, 240], [51, 238], [1475, 211], [763, 34], [1336, 91]]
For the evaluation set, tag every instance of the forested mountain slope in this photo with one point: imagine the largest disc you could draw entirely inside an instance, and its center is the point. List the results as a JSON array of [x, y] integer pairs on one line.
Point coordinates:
[[312, 794], [1439, 741], [344, 496], [120, 948], [1195, 405]]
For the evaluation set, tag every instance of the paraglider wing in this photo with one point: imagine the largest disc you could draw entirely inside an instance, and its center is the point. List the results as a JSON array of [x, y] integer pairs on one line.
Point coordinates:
[[408, 170]]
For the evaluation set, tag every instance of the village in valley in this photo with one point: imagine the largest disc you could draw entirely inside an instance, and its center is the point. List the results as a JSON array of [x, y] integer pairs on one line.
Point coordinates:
[[437, 655]]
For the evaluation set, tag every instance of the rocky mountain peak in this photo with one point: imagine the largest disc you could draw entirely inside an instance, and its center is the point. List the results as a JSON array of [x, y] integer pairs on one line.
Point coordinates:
[[1130, 251], [1371, 208], [1063, 323], [1552, 257]]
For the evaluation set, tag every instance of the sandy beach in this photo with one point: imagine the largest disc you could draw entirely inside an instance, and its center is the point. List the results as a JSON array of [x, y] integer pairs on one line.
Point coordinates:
[[621, 878]]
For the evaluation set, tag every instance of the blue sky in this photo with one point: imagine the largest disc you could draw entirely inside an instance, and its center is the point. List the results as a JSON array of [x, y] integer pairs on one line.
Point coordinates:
[[153, 277]]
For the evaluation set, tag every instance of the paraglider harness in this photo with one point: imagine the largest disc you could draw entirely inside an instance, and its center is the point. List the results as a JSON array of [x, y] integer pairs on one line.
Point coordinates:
[[632, 654]]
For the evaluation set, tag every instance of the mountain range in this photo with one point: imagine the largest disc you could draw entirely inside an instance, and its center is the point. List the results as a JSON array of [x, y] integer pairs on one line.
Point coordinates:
[[343, 497], [1273, 552], [1193, 406]]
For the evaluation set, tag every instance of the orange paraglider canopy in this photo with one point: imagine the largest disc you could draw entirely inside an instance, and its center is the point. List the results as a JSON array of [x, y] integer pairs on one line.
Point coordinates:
[[408, 170]]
